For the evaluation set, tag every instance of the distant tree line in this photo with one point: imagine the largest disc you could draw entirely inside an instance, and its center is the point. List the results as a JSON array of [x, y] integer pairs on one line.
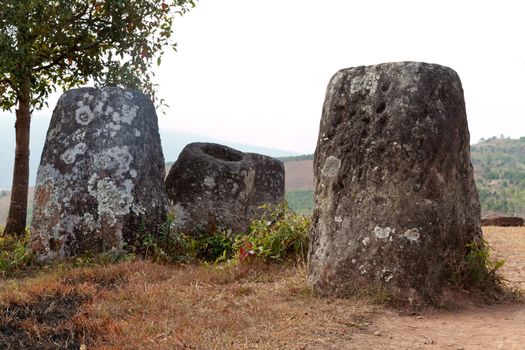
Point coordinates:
[[294, 158], [499, 165]]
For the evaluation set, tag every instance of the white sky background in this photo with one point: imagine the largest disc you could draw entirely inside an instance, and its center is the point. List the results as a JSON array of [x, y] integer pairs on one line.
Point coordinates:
[[256, 71]]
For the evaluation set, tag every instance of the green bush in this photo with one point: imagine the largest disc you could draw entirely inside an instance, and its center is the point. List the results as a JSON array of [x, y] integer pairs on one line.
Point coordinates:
[[14, 253], [477, 271], [481, 268], [215, 248], [166, 244], [278, 236]]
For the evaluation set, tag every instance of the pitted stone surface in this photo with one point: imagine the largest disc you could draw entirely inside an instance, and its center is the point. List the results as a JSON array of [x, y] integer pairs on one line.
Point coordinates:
[[101, 173], [215, 188], [395, 199]]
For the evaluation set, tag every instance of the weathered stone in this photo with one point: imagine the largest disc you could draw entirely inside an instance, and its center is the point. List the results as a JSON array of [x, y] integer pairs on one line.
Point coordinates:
[[395, 198], [101, 173], [501, 220], [217, 188]]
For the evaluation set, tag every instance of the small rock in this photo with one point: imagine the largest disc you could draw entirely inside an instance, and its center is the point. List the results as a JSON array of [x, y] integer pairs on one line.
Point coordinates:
[[501, 220]]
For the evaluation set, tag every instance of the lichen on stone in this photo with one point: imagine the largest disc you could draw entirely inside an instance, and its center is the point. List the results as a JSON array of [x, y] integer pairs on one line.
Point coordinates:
[[84, 115], [181, 215], [128, 113], [116, 158], [69, 156], [331, 166], [209, 182], [112, 200], [383, 232], [412, 235]]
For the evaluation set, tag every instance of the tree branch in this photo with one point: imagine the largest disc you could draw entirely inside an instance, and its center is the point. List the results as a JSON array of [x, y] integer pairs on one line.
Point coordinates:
[[8, 82], [57, 61]]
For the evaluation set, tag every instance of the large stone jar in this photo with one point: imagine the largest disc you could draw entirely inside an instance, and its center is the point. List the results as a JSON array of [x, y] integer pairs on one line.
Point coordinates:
[[395, 199], [100, 179]]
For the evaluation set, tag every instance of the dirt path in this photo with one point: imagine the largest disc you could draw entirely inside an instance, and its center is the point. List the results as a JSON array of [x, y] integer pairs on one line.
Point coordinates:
[[490, 327], [495, 327]]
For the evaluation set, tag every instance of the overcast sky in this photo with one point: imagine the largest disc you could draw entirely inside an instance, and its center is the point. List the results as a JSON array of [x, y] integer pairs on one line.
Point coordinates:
[[255, 71]]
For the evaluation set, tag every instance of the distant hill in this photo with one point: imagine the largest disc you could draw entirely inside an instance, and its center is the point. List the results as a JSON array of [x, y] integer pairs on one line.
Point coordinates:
[[499, 170], [294, 158], [299, 175], [7, 147], [499, 165]]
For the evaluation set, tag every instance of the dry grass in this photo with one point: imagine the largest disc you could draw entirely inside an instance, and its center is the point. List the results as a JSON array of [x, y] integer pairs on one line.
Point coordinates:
[[148, 306], [141, 305], [509, 244]]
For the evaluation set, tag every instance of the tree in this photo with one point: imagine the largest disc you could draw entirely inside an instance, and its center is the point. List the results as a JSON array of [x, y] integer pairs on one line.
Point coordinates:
[[50, 44]]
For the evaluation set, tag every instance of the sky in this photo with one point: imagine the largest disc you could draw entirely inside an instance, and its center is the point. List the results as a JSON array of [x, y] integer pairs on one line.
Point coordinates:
[[255, 72]]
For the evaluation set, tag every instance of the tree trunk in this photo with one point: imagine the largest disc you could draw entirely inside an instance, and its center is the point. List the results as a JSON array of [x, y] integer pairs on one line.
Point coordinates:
[[16, 220]]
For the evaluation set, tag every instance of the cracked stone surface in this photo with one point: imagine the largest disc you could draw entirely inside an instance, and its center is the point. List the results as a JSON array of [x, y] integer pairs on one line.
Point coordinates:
[[214, 188], [395, 198], [100, 175]]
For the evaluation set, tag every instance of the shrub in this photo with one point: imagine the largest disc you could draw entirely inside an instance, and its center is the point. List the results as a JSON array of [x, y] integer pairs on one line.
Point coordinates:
[[278, 236], [14, 253], [478, 273], [166, 244], [215, 248], [481, 268]]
